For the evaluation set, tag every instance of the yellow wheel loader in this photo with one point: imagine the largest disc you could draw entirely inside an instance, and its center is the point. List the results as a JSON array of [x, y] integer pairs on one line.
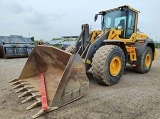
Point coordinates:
[[55, 78]]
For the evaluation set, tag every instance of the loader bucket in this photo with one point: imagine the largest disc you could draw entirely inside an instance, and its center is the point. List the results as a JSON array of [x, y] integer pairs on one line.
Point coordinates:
[[53, 77]]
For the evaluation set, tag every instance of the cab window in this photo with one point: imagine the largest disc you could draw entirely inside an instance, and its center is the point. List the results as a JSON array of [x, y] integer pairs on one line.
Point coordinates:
[[131, 24]]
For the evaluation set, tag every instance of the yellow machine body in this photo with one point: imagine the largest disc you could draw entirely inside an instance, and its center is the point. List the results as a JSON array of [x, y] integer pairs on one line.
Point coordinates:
[[55, 78]]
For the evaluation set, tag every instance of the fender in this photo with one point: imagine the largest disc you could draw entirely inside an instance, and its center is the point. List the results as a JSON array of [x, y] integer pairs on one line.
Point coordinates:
[[94, 47], [141, 47]]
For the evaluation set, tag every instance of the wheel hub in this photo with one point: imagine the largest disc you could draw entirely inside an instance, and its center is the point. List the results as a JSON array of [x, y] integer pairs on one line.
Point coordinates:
[[115, 66], [147, 60]]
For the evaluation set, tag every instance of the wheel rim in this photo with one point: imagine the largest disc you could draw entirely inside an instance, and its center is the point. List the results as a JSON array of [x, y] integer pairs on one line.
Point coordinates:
[[115, 66], [147, 60]]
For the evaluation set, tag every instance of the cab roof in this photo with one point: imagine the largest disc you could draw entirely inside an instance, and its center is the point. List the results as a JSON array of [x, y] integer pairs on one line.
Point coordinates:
[[124, 6]]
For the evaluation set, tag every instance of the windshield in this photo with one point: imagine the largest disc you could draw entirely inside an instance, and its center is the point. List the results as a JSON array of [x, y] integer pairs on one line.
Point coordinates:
[[113, 19]]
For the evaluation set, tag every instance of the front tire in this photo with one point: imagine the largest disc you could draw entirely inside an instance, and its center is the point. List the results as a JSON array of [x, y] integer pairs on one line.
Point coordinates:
[[108, 64]]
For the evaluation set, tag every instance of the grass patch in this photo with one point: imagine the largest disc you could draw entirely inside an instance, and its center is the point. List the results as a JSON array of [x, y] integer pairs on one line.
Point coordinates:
[[57, 45]]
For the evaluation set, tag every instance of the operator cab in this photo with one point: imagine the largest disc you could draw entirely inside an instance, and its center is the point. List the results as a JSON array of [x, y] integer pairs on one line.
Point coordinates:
[[122, 18]]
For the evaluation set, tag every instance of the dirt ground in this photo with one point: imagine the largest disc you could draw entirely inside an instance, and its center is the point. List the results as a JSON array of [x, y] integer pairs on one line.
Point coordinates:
[[135, 96]]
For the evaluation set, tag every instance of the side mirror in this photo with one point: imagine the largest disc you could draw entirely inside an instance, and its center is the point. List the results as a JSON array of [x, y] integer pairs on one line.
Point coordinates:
[[95, 17]]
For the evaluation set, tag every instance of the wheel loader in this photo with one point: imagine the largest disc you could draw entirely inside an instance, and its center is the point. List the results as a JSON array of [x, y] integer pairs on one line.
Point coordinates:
[[55, 77]]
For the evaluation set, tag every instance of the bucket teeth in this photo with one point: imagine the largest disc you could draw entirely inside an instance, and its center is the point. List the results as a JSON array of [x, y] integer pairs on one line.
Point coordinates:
[[13, 80], [18, 86], [35, 104], [25, 88], [28, 99], [25, 94], [41, 112], [21, 89], [15, 83]]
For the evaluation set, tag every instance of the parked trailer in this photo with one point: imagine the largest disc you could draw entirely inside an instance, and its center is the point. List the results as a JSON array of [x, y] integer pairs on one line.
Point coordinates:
[[15, 46]]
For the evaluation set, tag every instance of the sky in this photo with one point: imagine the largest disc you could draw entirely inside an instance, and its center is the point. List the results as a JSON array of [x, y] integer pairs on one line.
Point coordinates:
[[47, 19]]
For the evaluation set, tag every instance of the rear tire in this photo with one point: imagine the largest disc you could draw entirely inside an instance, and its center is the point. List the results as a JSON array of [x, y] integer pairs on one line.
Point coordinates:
[[145, 61], [108, 64]]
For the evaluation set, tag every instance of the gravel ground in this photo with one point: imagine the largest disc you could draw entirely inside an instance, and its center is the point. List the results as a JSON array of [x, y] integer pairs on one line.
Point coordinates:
[[136, 96]]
